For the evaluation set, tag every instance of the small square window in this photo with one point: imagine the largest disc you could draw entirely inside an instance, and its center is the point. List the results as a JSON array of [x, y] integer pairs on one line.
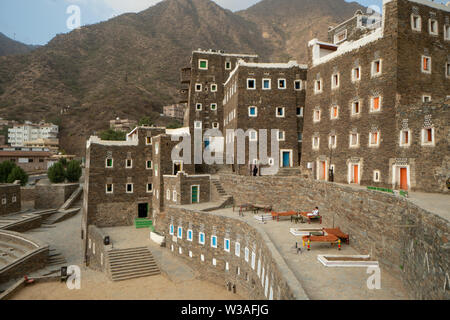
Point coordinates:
[[374, 139], [376, 176], [334, 112], [214, 88], [252, 111], [148, 164], [149, 187], [356, 74], [129, 163], [203, 64], [340, 36], [416, 22], [213, 106], [299, 112], [281, 83], [426, 64], [354, 140], [426, 98], [405, 138], [109, 163], [109, 188], [376, 68], [280, 112], [316, 143], [433, 27], [4, 200], [251, 84], [227, 65], [198, 87], [335, 81], [428, 136], [318, 86], [298, 85], [332, 142], [356, 108], [375, 104], [266, 84], [197, 124], [280, 135], [148, 140], [316, 117], [215, 125], [129, 188]]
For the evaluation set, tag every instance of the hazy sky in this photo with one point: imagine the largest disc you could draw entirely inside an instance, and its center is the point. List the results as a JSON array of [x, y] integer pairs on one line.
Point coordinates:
[[38, 21]]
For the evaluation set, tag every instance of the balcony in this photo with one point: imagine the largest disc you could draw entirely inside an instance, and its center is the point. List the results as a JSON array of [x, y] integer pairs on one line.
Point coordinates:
[[185, 75]]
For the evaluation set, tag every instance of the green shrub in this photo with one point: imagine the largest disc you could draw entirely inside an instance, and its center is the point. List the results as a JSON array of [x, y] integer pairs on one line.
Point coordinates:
[[113, 135], [6, 168], [73, 172], [145, 121], [56, 173], [18, 173]]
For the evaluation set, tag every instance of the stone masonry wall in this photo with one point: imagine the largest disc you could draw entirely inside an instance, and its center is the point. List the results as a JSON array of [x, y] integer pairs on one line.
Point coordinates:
[[53, 196], [10, 199], [410, 242]]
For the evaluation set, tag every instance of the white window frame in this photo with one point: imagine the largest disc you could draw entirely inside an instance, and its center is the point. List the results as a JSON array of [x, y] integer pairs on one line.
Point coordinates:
[[200, 238], [149, 191], [419, 22], [146, 164], [430, 31], [314, 116], [174, 195], [300, 86], [336, 36], [190, 236], [335, 141], [132, 188], [200, 63], [283, 135], [447, 32], [375, 179], [126, 164], [246, 254], [424, 134], [197, 124], [270, 83], [112, 163], [374, 145], [198, 107], [316, 82], [213, 106], [196, 87], [335, 86], [214, 85], [147, 143], [112, 188], [332, 117], [180, 232], [429, 64], [318, 143], [248, 82], [212, 243], [285, 84], [401, 143], [227, 65], [215, 125], [237, 249], [256, 112], [301, 112], [250, 135], [225, 244], [353, 113], [171, 229], [168, 194], [352, 146], [372, 100], [426, 97], [373, 71], [354, 78], [283, 112]]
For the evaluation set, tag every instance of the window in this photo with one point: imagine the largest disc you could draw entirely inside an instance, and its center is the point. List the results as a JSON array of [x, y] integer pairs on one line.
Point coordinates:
[[316, 143], [318, 86], [215, 125], [280, 112], [156, 170], [149, 187], [332, 141], [252, 111], [226, 245], [299, 112], [253, 260], [376, 176], [168, 194], [316, 116], [405, 140], [356, 74], [174, 195], [253, 136], [281, 83], [148, 164], [198, 87], [129, 188], [356, 108], [214, 87], [298, 85], [198, 107], [433, 27], [251, 84], [375, 104], [354, 140], [213, 241], [426, 64], [201, 238], [246, 254], [213, 106], [109, 188], [14, 199], [428, 136], [197, 124], [376, 68], [180, 233], [266, 84], [335, 81], [340, 36], [447, 69], [334, 112], [300, 137], [227, 65], [4, 200], [156, 148], [171, 230], [447, 32], [148, 140], [190, 236], [129, 163], [237, 249], [374, 139], [203, 64], [109, 163], [426, 98], [280, 135], [416, 22]]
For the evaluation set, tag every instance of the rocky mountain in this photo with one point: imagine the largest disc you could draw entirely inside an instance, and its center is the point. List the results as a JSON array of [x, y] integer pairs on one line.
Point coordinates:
[[128, 66], [9, 46]]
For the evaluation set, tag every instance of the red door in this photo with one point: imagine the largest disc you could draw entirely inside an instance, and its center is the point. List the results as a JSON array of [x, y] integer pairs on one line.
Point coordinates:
[[403, 179], [324, 170], [355, 174]]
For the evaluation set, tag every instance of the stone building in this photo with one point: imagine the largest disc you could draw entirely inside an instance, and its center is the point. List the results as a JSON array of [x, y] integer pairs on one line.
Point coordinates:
[[20, 133], [10, 198], [124, 125], [29, 160], [377, 102], [175, 111], [265, 96]]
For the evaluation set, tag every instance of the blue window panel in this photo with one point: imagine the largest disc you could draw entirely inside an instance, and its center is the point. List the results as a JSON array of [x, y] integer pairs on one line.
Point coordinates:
[[190, 235], [171, 229], [180, 232], [252, 111]]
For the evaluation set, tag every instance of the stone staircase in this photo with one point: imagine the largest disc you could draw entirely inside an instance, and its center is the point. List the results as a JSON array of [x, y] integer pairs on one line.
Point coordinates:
[[71, 200], [224, 198], [287, 172], [124, 264]]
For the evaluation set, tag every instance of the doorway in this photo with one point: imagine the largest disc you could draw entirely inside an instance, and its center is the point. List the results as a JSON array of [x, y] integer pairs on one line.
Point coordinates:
[[195, 196], [143, 210], [177, 167], [322, 171], [286, 158], [403, 178], [355, 177]]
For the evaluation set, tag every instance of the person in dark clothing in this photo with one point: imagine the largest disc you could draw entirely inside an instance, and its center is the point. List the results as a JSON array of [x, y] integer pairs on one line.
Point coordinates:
[[255, 170]]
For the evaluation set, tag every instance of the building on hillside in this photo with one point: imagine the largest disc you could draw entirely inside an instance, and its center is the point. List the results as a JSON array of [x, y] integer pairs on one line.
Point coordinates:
[[268, 96], [10, 198], [124, 125], [51, 144], [175, 111], [20, 133], [30, 161], [377, 103]]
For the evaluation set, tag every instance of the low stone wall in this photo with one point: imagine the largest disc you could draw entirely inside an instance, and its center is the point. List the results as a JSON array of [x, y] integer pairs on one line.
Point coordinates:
[[28, 197], [53, 196], [96, 250], [410, 242], [9, 198], [257, 272]]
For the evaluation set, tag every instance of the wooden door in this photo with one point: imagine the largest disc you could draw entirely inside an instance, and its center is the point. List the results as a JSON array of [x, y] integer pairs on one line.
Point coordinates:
[[355, 173], [404, 178]]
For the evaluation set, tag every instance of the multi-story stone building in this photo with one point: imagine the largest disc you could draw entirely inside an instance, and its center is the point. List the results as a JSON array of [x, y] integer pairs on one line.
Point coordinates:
[[10, 198], [265, 96], [377, 102], [20, 133], [175, 111], [124, 125]]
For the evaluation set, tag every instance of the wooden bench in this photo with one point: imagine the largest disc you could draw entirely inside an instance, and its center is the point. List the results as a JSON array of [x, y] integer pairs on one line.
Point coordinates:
[[277, 215], [338, 233], [257, 207], [305, 215], [332, 239]]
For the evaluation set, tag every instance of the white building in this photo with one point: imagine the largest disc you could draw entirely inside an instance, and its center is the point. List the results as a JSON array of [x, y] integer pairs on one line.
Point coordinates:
[[21, 133]]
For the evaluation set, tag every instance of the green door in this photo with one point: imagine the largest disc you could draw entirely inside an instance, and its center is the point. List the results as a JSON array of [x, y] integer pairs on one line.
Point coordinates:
[[194, 192]]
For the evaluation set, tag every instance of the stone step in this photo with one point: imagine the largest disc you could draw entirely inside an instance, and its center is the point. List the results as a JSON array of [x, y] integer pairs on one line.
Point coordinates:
[[131, 261], [127, 250], [128, 254], [136, 267], [136, 275]]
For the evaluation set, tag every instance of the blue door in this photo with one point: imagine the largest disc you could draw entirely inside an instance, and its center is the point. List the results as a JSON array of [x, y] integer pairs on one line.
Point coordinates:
[[286, 159]]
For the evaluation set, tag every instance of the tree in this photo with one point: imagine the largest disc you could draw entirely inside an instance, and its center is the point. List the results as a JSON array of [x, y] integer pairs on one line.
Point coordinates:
[[6, 168], [73, 172], [174, 125], [18, 173], [63, 161], [145, 121], [113, 135], [56, 173]]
